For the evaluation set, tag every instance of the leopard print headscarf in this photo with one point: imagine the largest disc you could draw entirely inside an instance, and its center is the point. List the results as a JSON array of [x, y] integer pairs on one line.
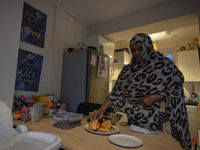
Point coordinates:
[[154, 74]]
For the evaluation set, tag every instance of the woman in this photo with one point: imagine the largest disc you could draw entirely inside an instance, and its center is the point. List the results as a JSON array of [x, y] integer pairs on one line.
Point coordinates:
[[148, 81]]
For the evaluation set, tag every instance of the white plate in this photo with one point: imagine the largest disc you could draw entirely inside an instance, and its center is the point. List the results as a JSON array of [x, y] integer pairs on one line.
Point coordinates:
[[125, 140], [117, 130]]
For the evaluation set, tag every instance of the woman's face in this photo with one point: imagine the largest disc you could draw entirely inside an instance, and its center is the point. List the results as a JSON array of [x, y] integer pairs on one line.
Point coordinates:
[[137, 51]]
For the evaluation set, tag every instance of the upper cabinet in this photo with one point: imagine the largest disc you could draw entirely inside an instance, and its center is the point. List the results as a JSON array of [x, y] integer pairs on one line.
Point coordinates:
[[188, 63]]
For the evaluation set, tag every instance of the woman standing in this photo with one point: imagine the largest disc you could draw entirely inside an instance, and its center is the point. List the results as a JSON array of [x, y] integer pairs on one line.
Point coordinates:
[[148, 81]]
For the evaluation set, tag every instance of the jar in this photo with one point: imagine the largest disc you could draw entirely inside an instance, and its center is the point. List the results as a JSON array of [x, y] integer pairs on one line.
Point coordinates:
[[51, 112], [63, 105], [50, 96], [46, 110]]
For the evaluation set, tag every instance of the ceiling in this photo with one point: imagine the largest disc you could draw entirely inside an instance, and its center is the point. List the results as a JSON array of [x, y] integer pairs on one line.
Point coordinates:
[[96, 12]]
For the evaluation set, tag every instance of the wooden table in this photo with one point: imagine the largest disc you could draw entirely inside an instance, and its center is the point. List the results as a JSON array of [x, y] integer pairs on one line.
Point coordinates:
[[79, 139]]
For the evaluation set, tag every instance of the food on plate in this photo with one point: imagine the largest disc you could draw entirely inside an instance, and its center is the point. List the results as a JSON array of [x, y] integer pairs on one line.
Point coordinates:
[[101, 125], [112, 115], [94, 125], [106, 126], [123, 123]]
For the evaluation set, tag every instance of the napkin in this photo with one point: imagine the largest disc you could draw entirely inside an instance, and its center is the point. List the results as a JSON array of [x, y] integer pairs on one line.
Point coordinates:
[[144, 130]]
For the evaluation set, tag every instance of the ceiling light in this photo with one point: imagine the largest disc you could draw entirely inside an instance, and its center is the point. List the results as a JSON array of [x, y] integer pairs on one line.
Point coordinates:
[[160, 35]]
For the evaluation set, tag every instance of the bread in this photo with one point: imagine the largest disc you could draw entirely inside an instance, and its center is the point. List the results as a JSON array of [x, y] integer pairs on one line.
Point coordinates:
[[94, 125], [106, 127]]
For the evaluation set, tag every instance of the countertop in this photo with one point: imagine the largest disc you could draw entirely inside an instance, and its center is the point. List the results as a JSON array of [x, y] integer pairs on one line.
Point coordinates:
[[78, 138]]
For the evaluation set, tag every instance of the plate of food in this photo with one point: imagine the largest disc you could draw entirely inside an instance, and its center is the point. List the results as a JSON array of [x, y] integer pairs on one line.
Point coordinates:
[[102, 127]]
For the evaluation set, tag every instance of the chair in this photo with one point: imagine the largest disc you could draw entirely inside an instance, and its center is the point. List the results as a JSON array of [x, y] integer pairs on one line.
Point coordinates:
[[84, 108]]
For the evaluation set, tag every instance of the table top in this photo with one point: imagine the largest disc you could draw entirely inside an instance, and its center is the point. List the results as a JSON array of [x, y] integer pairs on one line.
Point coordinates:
[[78, 138]]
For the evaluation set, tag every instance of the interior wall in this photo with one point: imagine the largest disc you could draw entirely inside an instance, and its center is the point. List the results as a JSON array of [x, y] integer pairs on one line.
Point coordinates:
[[10, 14], [55, 43], [47, 52], [76, 32]]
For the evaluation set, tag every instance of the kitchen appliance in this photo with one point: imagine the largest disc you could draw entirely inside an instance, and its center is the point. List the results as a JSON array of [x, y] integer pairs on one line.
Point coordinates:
[[82, 80]]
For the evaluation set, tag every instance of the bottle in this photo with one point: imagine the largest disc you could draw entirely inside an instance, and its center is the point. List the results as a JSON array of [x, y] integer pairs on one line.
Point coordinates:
[[30, 106], [58, 108], [54, 105], [193, 95], [25, 113]]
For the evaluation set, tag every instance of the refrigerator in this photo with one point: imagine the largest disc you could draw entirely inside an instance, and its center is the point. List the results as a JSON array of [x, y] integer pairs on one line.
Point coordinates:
[[85, 78]]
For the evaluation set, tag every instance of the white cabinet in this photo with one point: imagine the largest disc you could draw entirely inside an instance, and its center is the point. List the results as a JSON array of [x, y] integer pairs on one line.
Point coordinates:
[[188, 63], [123, 55], [193, 122]]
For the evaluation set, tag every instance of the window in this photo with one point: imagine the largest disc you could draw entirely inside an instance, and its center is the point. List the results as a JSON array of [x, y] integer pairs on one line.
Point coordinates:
[[170, 57]]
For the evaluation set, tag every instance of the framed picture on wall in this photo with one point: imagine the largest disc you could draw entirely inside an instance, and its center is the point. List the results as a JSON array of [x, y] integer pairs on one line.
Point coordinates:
[[33, 26], [29, 66]]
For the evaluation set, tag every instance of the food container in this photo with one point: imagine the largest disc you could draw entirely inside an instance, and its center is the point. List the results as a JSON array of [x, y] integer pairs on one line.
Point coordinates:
[[113, 117], [63, 105], [50, 96]]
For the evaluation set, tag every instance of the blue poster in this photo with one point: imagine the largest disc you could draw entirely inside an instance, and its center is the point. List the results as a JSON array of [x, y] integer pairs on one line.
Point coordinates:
[[33, 26], [29, 66]]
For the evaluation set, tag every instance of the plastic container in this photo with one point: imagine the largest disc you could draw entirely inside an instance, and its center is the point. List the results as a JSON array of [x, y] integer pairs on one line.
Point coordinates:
[[25, 113], [50, 96]]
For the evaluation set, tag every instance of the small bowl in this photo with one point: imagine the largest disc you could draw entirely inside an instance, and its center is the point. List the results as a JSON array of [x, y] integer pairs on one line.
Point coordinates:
[[113, 117]]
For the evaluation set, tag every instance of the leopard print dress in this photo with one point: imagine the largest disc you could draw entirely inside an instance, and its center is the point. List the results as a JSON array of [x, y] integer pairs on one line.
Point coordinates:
[[154, 74]]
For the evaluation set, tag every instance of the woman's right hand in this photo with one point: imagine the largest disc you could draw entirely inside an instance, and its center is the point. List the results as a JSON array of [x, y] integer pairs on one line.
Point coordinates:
[[96, 115]]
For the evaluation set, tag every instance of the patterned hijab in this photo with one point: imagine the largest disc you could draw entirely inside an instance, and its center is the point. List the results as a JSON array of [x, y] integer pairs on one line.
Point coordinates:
[[154, 74]]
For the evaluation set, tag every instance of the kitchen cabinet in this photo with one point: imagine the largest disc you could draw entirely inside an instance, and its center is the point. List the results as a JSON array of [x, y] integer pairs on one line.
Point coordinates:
[[123, 55], [194, 123], [188, 63]]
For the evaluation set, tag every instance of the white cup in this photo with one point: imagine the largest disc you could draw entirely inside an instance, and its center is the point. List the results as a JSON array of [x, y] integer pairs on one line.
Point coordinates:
[[22, 128]]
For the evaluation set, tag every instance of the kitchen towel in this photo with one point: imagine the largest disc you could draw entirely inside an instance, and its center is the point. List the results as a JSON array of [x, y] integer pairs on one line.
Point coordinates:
[[142, 130]]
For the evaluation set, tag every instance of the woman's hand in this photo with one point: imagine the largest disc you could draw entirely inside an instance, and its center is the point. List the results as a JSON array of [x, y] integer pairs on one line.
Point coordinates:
[[98, 114], [150, 99]]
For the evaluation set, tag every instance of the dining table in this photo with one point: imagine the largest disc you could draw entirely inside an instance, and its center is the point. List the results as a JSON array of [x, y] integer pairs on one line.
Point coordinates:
[[79, 138]]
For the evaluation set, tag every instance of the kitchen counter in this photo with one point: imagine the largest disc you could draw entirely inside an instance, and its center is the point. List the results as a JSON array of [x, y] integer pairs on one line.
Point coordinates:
[[78, 138]]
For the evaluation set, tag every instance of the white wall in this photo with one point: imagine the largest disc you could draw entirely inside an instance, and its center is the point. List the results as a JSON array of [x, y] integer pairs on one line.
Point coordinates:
[[76, 32], [10, 14], [61, 33], [47, 52]]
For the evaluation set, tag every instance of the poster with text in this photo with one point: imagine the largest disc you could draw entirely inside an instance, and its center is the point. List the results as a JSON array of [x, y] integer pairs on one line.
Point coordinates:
[[28, 72], [33, 26], [102, 67]]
